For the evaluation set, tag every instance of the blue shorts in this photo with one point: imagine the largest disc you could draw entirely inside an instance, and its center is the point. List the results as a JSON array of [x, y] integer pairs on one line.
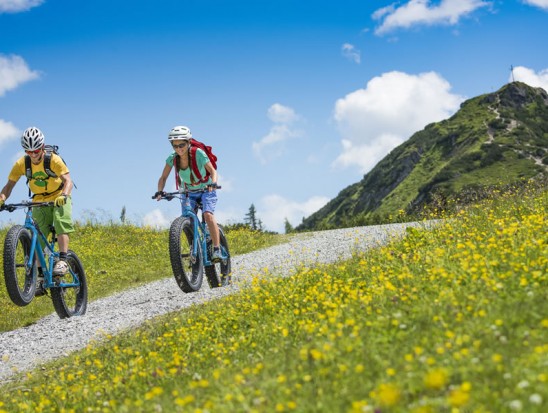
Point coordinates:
[[208, 200]]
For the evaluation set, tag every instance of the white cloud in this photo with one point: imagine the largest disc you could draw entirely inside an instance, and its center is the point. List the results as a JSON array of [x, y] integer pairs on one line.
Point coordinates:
[[272, 145], [273, 210], [226, 216], [15, 6], [13, 72], [393, 106], [7, 131], [526, 75], [351, 53], [282, 114], [226, 184], [156, 219], [422, 12], [543, 4]]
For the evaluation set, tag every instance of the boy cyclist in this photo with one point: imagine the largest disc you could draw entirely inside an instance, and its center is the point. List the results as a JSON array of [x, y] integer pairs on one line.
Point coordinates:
[[46, 188]]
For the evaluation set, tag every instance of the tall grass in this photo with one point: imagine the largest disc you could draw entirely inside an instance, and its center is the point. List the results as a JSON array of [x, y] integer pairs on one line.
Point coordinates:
[[115, 258], [454, 319]]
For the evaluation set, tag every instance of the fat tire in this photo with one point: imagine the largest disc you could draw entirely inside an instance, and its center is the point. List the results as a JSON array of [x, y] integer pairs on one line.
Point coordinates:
[[219, 274], [71, 301], [20, 281], [189, 275]]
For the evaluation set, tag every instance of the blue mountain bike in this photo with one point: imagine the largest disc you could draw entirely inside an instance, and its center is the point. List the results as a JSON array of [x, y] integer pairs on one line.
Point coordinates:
[[191, 248], [24, 247]]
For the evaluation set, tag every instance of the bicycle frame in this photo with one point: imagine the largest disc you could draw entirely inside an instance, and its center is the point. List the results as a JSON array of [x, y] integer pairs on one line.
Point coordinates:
[[36, 248], [201, 231]]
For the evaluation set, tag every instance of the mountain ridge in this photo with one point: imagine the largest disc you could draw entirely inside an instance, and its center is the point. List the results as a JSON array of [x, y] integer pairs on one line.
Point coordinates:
[[494, 139]]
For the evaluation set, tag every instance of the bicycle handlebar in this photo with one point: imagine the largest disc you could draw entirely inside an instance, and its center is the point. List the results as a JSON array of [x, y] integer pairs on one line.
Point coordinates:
[[170, 195], [24, 204]]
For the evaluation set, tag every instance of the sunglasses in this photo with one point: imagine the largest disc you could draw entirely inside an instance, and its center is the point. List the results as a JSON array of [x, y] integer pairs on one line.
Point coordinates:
[[182, 145], [35, 152]]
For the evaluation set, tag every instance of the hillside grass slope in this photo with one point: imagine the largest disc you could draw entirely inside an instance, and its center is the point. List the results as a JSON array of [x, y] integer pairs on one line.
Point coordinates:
[[494, 140], [453, 319], [115, 258]]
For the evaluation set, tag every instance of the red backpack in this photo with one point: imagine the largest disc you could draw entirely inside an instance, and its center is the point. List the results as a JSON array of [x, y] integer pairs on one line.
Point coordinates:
[[194, 146]]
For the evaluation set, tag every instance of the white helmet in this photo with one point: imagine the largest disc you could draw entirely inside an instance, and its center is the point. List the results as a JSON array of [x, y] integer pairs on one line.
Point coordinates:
[[32, 139], [179, 132]]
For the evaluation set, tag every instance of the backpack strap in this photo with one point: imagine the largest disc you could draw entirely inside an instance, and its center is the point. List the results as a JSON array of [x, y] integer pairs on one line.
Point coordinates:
[[28, 168], [47, 165], [194, 165]]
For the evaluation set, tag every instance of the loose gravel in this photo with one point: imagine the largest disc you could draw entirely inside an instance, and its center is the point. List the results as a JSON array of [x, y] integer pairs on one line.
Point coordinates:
[[50, 338]]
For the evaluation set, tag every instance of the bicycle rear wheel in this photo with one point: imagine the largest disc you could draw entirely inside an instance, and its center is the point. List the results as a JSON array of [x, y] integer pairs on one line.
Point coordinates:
[[20, 278], [219, 274], [188, 269], [71, 301]]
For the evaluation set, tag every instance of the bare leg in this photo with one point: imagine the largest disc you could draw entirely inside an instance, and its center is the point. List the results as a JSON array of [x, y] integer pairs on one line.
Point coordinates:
[[63, 241], [213, 228]]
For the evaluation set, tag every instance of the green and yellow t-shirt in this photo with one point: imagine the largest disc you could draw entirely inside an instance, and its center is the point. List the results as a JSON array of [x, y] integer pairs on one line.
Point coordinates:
[[44, 187]]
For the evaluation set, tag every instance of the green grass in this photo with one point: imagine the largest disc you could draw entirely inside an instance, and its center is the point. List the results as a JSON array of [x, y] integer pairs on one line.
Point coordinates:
[[454, 319], [115, 258]]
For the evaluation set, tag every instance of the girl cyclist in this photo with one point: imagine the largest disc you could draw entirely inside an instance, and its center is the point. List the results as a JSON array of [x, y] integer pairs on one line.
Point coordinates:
[[180, 138]]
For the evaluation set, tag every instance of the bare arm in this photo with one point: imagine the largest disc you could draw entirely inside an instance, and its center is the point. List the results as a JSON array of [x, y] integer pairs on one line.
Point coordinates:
[[6, 190], [163, 179], [68, 185], [212, 172]]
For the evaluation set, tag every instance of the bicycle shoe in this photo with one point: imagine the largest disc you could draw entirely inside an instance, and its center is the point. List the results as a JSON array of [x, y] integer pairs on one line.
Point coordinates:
[[60, 269], [40, 290]]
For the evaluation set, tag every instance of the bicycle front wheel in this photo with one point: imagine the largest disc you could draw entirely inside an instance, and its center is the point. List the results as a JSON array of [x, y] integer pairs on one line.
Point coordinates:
[[188, 268], [219, 274], [71, 301], [19, 268]]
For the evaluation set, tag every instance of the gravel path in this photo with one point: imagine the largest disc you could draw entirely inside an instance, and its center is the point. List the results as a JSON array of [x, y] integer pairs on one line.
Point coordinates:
[[50, 338]]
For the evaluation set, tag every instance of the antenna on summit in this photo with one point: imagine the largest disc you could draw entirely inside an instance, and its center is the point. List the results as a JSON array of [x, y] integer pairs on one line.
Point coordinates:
[[512, 70]]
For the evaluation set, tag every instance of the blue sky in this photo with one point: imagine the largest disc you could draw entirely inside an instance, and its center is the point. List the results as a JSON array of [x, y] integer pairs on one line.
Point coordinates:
[[298, 99]]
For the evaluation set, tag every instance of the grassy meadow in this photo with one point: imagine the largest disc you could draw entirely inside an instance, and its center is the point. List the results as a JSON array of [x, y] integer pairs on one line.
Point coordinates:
[[453, 319], [117, 257]]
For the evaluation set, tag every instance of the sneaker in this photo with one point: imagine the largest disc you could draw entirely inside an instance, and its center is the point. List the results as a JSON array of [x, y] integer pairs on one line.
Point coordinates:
[[60, 269], [40, 290], [216, 256]]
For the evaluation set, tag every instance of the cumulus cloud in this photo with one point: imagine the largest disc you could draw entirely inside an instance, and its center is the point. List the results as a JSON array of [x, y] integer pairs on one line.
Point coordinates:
[[156, 219], [7, 131], [543, 4], [281, 114], [14, 72], [351, 53], [273, 210], [422, 12], [374, 120], [272, 145], [16, 6], [526, 75]]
